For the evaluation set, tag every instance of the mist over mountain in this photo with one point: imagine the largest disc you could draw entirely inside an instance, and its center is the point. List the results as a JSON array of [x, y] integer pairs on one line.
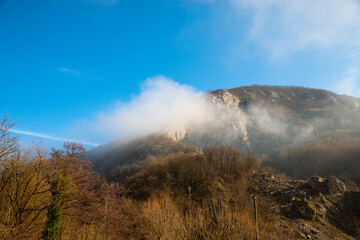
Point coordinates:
[[264, 120], [279, 117]]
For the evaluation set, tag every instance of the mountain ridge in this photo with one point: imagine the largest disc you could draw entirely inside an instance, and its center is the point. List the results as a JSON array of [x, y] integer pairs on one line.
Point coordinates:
[[263, 120]]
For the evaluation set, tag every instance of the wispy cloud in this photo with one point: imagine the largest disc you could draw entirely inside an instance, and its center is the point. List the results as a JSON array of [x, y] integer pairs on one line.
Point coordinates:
[[78, 73], [284, 26], [45, 136], [71, 71], [104, 2]]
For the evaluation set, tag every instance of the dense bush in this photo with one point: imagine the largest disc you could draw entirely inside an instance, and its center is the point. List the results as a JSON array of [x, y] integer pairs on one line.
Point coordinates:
[[197, 176]]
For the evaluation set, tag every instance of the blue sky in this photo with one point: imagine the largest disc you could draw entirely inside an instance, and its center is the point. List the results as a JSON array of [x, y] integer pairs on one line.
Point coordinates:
[[62, 63]]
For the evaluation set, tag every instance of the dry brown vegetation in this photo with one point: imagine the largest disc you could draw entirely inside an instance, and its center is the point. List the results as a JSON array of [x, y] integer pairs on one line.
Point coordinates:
[[185, 196]]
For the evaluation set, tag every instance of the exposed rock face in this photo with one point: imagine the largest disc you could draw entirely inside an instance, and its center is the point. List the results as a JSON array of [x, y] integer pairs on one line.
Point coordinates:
[[335, 185], [229, 127], [226, 98], [317, 183], [331, 185], [177, 135], [233, 104]]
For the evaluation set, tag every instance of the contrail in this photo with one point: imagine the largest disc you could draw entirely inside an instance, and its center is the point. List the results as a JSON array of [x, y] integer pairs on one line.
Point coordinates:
[[50, 137]]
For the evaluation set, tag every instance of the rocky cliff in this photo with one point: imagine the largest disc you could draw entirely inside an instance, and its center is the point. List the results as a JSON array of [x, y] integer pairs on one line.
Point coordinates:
[[266, 119]]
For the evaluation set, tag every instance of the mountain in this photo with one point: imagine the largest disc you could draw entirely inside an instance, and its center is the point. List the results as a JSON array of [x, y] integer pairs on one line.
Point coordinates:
[[264, 120], [298, 131], [268, 120]]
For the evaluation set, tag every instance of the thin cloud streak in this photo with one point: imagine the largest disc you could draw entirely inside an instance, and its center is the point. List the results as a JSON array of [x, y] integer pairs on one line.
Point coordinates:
[[78, 73], [106, 3], [34, 134], [71, 71]]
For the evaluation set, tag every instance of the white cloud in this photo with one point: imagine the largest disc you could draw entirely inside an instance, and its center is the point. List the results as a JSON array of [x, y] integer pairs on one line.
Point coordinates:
[[287, 26], [163, 105]]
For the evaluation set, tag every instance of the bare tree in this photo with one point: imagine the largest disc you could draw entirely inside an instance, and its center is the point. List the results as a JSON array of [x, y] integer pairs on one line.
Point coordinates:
[[8, 142], [24, 191]]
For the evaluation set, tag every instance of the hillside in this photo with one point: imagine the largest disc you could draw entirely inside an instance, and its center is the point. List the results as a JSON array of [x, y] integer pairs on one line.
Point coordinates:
[[264, 120], [218, 186], [122, 158]]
